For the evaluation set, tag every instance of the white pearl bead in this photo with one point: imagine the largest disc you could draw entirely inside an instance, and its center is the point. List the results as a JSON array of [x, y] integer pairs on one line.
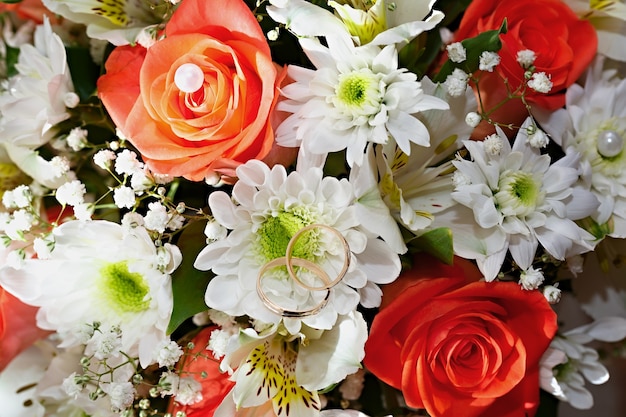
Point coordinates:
[[609, 143], [189, 78]]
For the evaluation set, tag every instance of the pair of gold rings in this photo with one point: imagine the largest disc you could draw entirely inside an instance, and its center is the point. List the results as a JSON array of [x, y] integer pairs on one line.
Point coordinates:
[[290, 262]]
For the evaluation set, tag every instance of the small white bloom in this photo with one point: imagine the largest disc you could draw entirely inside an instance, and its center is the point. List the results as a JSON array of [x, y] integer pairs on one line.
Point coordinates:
[[473, 119], [488, 61], [537, 138], [176, 221], [141, 181], [168, 383], [168, 353], [127, 163], [105, 344], [552, 294], [456, 52], [15, 259], [225, 321], [71, 387], [526, 58], [59, 165], [456, 83], [148, 36], [459, 179], [218, 342], [20, 197], [22, 221], [531, 278], [214, 231], [493, 144], [43, 246], [131, 221], [189, 391], [71, 193], [77, 139], [121, 394], [272, 35], [103, 158], [83, 211], [124, 197], [540, 82], [157, 217]]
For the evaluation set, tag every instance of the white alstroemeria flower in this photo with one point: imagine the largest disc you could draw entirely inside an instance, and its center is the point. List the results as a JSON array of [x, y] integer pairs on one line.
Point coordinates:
[[415, 187], [34, 102], [267, 208], [515, 200], [568, 363], [593, 123], [381, 22], [356, 95], [119, 22], [284, 373], [98, 273], [609, 19]]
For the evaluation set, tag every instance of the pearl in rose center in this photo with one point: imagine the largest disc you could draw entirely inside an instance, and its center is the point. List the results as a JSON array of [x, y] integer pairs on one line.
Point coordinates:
[[609, 143], [189, 78]]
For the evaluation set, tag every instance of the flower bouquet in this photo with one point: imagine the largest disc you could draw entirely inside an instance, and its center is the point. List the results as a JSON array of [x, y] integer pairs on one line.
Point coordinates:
[[309, 208]]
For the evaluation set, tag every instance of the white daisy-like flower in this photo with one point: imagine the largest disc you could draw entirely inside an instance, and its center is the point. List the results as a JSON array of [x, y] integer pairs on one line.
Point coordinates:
[[354, 96], [98, 273], [515, 201], [268, 207], [593, 123], [34, 102], [567, 363]]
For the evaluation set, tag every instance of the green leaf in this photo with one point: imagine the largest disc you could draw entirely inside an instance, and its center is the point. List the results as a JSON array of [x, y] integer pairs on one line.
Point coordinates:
[[437, 242], [10, 1], [485, 41], [12, 54], [84, 71], [188, 283]]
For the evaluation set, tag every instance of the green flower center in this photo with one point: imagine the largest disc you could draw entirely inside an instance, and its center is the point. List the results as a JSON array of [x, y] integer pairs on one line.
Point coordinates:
[[352, 90], [124, 291], [276, 232], [519, 193]]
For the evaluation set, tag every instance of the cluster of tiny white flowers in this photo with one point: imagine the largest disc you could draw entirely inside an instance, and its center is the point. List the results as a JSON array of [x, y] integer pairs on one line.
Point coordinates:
[[105, 344], [493, 144], [218, 342], [77, 139], [488, 61], [71, 193], [59, 166], [122, 394], [103, 158], [537, 138], [189, 391], [526, 58], [531, 278], [540, 82], [552, 293], [168, 353], [456, 83], [456, 52], [20, 197]]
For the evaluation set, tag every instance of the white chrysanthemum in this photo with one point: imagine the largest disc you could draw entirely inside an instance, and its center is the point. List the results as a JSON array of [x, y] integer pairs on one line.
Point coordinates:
[[270, 208], [34, 102], [593, 123], [515, 201], [98, 273], [354, 96], [119, 22], [567, 363], [413, 188]]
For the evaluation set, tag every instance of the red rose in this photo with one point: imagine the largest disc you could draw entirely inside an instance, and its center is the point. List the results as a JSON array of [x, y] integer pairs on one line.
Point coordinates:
[[459, 347], [215, 386], [564, 45], [225, 121], [18, 329]]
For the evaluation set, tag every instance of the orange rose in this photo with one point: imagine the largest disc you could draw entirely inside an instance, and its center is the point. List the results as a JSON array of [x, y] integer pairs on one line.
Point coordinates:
[[459, 347], [564, 45], [29, 10], [17, 327], [215, 386], [219, 125]]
